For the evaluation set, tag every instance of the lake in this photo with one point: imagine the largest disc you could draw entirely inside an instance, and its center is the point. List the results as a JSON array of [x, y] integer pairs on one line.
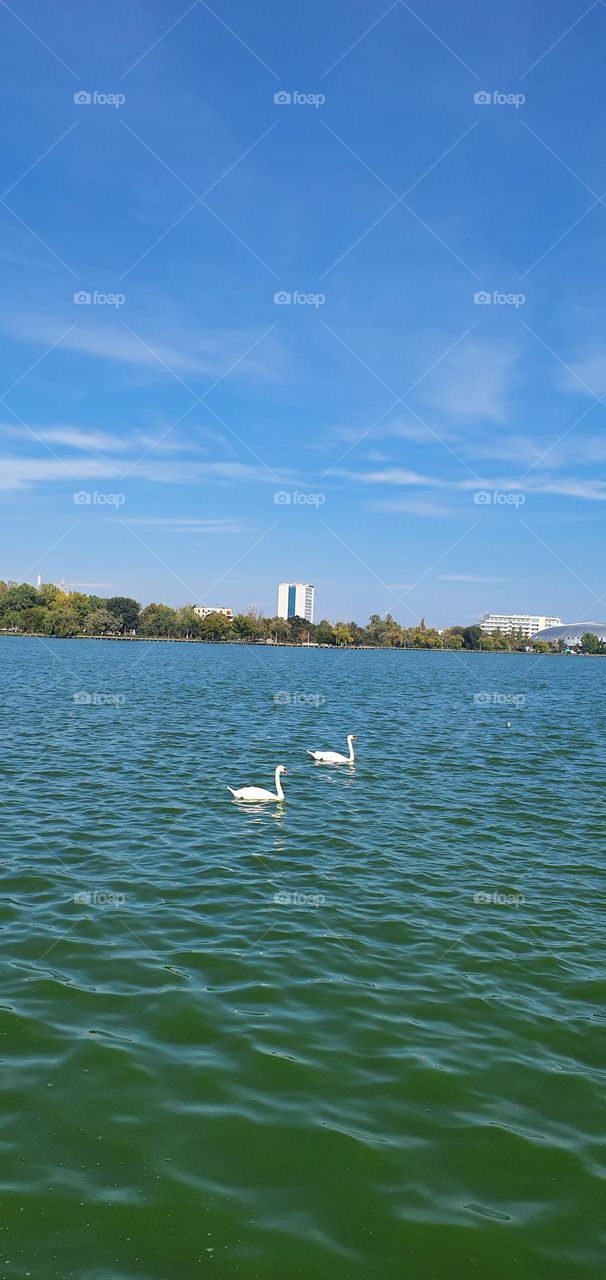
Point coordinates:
[[360, 1034]]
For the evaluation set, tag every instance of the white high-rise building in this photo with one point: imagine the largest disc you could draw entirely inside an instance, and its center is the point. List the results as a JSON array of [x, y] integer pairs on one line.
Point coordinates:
[[507, 623], [296, 600]]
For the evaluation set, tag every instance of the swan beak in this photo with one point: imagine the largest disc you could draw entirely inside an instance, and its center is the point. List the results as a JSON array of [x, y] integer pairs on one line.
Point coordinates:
[[285, 770]]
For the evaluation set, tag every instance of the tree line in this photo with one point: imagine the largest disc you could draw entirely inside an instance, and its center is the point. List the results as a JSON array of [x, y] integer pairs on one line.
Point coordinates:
[[47, 610]]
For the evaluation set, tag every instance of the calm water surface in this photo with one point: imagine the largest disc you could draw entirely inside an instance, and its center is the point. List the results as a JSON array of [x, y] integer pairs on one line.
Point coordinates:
[[357, 1035]]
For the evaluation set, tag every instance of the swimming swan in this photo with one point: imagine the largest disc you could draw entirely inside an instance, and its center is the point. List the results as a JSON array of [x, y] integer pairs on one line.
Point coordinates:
[[334, 757], [260, 793]]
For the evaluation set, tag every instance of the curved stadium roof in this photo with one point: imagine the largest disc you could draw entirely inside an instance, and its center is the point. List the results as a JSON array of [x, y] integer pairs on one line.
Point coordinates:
[[571, 632]]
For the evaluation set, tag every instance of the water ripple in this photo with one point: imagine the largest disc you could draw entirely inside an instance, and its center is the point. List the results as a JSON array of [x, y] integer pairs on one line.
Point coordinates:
[[350, 1035]]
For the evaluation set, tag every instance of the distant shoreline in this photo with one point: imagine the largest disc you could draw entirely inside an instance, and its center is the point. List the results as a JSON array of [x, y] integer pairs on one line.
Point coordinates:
[[284, 644]]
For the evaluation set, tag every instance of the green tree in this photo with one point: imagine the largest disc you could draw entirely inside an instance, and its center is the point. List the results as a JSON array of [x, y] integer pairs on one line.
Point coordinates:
[[12, 620], [189, 623], [278, 629], [343, 634], [301, 630], [429, 638], [325, 633], [62, 620], [100, 622], [20, 597], [452, 638], [49, 593], [215, 626], [127, 609], [32, 619], [247, 627], [159, 620], [80, 604], [590, 643], [472, 637]]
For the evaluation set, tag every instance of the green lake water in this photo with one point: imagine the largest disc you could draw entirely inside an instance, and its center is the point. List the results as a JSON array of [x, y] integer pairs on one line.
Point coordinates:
[[358, 1035]]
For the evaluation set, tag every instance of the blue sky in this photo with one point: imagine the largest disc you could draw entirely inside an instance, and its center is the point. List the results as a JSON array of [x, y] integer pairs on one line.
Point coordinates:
[[381, 399]]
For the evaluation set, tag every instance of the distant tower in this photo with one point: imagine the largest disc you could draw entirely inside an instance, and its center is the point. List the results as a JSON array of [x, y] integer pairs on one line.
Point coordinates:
[[39, 581], [296, 599]]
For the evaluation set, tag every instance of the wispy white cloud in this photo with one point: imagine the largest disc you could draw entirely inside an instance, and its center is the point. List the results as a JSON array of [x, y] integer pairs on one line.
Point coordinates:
[[573, 449], [475, 381], [419, 507], [415, 432], [503, 448], [19, 473], [71, 436], [586, 376], [467, 577], [572, 487], [392, 476], [196, 439], [568, 486], [169, 524], [148, 345]]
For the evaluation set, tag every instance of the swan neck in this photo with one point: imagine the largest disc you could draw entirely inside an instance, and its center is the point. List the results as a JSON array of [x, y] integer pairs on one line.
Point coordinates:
[[351, 749], [279, 791]]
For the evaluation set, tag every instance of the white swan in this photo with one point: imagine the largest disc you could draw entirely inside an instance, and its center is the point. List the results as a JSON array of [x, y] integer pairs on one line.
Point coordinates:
[[334, 757], [260, 793]]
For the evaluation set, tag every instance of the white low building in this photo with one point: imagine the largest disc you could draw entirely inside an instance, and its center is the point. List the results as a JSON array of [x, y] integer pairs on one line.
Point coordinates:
[[527, 624], [203, 610]]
